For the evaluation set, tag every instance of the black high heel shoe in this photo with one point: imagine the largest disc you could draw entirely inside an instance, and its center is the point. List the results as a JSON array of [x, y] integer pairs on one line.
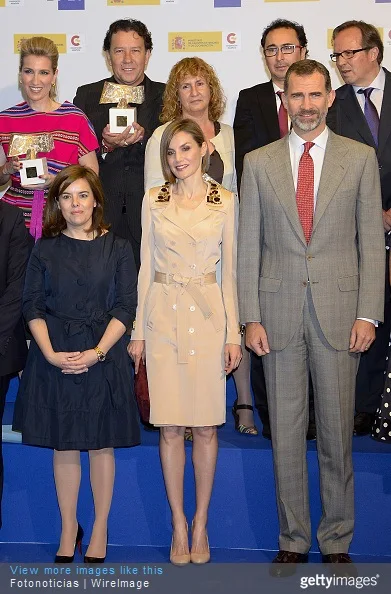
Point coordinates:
[[88, 559], [78, 543], [252, 430]]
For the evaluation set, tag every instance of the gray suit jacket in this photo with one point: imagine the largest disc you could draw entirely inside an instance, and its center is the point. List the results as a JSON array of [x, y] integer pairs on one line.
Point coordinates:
[[344, 261]]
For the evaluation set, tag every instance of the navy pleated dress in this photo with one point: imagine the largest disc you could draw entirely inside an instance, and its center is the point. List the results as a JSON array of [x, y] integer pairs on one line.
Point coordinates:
[[77, 287]]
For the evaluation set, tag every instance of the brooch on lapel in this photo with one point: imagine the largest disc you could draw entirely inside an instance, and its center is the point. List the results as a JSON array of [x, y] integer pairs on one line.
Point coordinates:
[[213, 196], [164, 193]]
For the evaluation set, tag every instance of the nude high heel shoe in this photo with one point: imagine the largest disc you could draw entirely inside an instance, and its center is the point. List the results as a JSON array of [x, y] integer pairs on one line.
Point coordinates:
[[200, 558], [179, 560]]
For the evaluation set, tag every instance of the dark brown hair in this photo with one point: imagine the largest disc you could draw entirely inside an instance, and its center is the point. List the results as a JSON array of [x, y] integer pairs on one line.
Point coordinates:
[[306, 68], [370, 35], [284, 24], [128, 25], [54, 221], [190, 127]]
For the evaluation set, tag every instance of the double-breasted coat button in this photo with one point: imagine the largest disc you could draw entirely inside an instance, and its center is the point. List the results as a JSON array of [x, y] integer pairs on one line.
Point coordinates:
[[192, 308], [191, 330]]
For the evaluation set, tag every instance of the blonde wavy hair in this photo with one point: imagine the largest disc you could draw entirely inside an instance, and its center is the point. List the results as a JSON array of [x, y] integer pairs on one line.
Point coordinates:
[[194, 66], [40, 46]]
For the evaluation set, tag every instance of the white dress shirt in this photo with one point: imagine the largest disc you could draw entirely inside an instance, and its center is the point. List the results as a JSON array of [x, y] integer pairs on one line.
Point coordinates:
[[377, 94], [317, 152]]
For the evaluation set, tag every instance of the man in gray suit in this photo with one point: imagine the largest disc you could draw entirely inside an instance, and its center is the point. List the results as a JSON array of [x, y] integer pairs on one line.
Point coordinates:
[[311, 256]]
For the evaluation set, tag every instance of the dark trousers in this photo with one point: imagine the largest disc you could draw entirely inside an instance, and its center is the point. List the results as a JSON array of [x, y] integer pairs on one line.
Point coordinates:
[[370, 375], [4, 383], [122, 230]]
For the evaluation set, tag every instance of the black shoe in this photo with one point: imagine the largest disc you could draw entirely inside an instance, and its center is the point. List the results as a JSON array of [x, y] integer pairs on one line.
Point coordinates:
[[88, 559], [78, 543], [311, 431], [363, 422], [245, 429], [94, 559], [341, 564], [285, 563]]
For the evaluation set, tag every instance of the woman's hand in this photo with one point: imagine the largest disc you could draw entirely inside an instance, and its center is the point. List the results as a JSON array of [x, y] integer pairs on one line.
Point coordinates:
[[86, 359], [12, 166], [232, 357], [47, 180], [136, 351], [67, 362]]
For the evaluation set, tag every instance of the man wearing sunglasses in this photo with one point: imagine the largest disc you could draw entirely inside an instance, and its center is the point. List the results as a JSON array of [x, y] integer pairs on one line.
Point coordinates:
[[362, 111], [260, 119]]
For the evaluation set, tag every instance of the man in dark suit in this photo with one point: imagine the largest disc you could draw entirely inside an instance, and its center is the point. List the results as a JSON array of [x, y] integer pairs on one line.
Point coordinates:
[[128, 46], [14, 251], [260, 119], [362, 111]]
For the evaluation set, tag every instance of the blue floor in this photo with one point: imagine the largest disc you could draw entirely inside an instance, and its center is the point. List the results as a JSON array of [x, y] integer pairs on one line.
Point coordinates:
[[44, 553], [243, 524]]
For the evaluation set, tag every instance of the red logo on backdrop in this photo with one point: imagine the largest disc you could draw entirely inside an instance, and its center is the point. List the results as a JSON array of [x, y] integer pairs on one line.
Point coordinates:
[[179, 43], [231, 37], [75, 40]]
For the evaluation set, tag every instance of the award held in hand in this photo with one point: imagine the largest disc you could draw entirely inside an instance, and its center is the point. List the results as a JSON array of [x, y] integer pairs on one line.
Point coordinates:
[[121, 116], [30, 145]]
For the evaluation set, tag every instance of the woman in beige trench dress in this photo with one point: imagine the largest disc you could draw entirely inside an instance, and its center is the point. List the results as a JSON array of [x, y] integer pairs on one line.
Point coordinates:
[[187, 327]]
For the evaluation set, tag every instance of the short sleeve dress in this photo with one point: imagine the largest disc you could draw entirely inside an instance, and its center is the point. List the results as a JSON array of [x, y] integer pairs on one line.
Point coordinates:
[[77, 287], [73, 137]]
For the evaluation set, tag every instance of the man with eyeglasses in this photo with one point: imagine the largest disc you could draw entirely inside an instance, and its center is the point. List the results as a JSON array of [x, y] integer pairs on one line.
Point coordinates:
[[260, 119], [362, 111]]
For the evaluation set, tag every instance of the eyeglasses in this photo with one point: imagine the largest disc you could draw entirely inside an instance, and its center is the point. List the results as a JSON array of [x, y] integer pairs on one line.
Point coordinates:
[[347, 54], [285, 49]]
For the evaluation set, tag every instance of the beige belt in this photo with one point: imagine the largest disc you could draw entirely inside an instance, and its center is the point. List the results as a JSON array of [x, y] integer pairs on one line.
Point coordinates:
[[191, 286]]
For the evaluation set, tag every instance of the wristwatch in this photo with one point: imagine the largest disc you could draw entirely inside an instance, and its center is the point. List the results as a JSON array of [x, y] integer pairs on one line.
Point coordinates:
[[100, 354]]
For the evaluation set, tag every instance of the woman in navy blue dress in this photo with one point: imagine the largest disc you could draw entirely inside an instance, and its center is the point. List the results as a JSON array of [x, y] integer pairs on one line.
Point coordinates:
[[76, 392]]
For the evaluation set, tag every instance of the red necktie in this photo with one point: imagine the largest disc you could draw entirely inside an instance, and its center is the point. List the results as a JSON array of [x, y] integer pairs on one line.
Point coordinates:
[[282, 117], [305, 191]]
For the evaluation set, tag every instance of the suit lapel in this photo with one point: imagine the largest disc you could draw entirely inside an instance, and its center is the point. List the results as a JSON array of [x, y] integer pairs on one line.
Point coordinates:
[[385, 115], [333, 172], [267, 106], [353, 112], [144, 111], [279, 172]]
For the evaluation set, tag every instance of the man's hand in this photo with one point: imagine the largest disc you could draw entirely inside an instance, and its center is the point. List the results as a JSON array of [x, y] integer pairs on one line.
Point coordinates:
[[362, 336], [125, 138], [387, 220], [256, 338]]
